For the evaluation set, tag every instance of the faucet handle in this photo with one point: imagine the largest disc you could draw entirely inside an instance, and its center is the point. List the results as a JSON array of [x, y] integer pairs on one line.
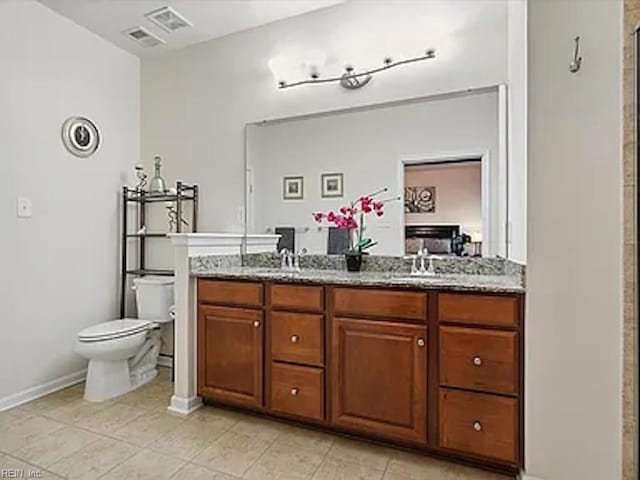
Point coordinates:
[[296, 258], [284, 256], [414, 268]]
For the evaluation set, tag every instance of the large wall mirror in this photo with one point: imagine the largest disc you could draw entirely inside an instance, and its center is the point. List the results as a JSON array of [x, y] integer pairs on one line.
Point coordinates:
[[444, 157]]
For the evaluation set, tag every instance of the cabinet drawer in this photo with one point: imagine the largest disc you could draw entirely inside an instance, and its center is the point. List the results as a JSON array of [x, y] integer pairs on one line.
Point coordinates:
[[297, 337], [380, 303], [223, 292], [492, 310], [297, 391], [479, 424], [479, 359], [297, 297]]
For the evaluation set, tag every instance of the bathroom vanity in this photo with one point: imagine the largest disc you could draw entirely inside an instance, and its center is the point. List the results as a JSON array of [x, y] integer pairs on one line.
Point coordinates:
[[435, 365]]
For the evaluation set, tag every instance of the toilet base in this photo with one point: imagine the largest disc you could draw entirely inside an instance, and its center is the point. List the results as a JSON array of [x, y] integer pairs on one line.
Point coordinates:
[[106, 379], [109, 379]]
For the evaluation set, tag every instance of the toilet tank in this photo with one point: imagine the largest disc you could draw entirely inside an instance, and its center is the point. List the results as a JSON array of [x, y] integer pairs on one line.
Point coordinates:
[[154, 296]]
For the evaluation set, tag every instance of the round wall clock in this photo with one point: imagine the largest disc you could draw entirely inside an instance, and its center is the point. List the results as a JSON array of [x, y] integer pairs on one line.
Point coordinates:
[[80, 136]]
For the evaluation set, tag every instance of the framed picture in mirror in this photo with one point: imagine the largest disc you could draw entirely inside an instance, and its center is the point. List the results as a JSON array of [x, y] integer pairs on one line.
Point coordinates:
[[293, 188], [332, 185]]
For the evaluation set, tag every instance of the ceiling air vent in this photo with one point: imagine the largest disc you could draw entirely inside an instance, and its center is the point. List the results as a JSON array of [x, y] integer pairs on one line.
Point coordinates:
[[143, 37], [168, 19]]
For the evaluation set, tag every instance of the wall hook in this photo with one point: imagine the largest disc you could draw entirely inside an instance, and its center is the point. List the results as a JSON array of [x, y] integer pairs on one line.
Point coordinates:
[[576, 63]]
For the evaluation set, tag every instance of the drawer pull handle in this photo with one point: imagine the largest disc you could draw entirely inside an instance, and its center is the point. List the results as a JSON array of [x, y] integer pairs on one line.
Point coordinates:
[[294, 338], [477, 426], [420, 342], [294, 392], [256, 323], [477, 361]]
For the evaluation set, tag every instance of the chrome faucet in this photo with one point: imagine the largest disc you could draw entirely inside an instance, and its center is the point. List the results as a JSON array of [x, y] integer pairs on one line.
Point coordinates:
[[414, 268], [285, 259], [430, 271], [296, 258], [422, 270]]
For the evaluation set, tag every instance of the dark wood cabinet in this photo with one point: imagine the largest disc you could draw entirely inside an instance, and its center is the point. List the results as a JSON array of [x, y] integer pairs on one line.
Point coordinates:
[[379, 378], [479, 424], [479, 359], [437, 371], [230, 354], [297, 391]]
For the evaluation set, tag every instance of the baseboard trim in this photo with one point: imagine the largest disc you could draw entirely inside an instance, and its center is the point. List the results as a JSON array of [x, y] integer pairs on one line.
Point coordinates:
[[524, 476], [165, 361], [33, 393], [184, 406]]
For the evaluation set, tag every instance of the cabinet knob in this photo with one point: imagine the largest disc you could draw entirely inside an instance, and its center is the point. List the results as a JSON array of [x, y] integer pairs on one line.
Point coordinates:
[[477, 361], [421, 342], [294, 392], [477, 426], [294, 338], [256, 323]]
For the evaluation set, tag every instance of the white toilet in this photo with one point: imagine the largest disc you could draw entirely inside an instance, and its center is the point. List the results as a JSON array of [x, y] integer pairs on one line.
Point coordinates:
[[123, 354]]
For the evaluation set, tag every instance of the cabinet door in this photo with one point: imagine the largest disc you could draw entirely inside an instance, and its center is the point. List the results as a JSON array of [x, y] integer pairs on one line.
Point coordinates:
[[230, 355], [379, 378]]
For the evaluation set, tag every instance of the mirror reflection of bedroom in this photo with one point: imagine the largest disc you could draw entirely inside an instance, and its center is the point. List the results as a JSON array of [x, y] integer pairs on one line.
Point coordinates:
[[443, 207]]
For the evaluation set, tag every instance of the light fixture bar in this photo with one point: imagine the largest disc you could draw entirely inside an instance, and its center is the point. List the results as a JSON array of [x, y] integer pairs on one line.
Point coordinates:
[[356, 80]]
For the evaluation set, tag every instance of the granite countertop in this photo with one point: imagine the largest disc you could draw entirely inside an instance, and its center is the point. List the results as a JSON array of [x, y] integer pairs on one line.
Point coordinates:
[[498, 283]]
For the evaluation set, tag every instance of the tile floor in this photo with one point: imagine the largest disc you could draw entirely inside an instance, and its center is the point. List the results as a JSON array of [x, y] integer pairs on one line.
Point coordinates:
[[134, 437]]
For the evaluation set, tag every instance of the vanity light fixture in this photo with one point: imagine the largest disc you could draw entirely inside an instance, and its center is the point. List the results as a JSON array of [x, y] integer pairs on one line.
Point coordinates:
[[353, 80]]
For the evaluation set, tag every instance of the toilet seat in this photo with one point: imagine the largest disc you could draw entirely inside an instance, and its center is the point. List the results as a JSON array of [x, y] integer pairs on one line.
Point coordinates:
[[113, 329]]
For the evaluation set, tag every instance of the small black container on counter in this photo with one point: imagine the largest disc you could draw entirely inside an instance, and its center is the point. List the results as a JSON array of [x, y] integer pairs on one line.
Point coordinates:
[[354, 262]]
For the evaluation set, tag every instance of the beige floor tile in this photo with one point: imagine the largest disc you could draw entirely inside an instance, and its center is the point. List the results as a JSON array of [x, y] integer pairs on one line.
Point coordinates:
[[232, 453], [336, 469], [74, 411], [46, 450], [56, 400], [149, 397], [17, 414], [215, 418], [266, 430], [149, 427], [284, 462], [409, 466], [186, 441], [306, 438], [110, 419], [360, 452], [16, 468], [26, 431], [164, 375], [94, 460], [192, 471], [145, 465]]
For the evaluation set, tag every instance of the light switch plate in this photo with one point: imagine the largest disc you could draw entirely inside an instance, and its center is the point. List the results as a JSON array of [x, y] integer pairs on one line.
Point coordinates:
[[25, 207]]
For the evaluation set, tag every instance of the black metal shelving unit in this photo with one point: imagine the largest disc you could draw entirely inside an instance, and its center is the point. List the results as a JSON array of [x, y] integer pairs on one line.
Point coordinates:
[[184, 194]]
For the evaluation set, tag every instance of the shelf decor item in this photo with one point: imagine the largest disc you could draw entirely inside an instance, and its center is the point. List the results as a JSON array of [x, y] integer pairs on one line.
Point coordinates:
[[332, 185], [157, 185], [351, 217], [293, 188], [80, 136]]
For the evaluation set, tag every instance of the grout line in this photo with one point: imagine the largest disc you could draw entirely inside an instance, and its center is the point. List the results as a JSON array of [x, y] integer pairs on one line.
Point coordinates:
[[270, 444], [322, 460], [37, 467]]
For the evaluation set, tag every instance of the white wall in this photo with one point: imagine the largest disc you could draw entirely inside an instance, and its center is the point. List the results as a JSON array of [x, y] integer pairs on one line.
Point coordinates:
[[517, 145], [574, 274], [196, 102], [458, 194], [367, 146], [59, 268]]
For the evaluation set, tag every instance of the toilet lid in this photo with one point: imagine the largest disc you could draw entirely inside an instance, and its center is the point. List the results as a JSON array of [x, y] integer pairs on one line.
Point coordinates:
[[114, 329]]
